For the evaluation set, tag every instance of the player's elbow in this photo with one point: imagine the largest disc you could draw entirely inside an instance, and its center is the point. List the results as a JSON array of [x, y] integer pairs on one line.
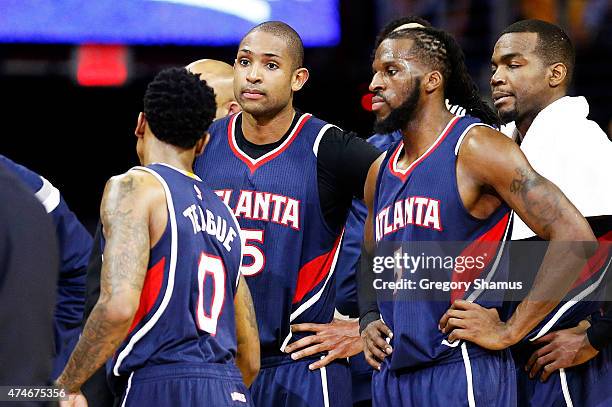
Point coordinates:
[[578, 235], [249, 363], [119, 311], [249, 367], [583, 233], [251, 372]]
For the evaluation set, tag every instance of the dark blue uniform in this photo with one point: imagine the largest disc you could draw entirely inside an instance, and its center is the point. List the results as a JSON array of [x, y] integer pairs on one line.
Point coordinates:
[[75, 246], [28, 279], [181, 346], [420, 205], [587, 384], [290, 254], [346, 282]]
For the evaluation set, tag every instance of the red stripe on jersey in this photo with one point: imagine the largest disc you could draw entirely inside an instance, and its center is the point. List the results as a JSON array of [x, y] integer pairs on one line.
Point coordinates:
[[597, 261], [485, 247], [254, 164], [313, 272], [150, 291], [403, 174]]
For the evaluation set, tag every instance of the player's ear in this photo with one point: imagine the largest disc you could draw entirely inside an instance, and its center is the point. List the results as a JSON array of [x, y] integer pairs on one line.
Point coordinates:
[[557, 74], [433, 80], [300, 76], [233, 107], [141, 124], [201, 144]]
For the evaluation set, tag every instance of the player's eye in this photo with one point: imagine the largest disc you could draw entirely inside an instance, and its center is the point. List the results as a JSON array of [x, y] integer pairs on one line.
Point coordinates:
[[493, 69], [243, 62], [513, 66], [272, 66], [391, 71]]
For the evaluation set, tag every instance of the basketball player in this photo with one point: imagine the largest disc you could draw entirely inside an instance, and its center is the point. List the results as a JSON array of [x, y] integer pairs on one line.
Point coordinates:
[[171, 302], [75, 247], [532, 66], [441, 183], [290, 179], [219, 76], [348, 260]]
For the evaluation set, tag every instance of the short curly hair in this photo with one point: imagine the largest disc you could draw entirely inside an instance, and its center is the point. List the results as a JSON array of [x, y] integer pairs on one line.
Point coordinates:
[[179, 107]]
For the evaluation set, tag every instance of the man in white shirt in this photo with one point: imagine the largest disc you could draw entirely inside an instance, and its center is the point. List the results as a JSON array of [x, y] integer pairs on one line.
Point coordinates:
[[532, 66]]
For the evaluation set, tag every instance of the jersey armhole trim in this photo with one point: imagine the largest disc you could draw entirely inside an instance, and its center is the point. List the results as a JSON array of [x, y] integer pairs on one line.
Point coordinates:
[[315, 146], [465, 132]]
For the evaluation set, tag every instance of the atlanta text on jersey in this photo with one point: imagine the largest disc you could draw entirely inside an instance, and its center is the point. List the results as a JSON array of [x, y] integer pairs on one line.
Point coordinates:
[[415, 210], [266, 206]]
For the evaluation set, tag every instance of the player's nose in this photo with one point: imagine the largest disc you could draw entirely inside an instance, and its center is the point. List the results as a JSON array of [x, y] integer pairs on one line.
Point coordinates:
[[376, 84], [497, 78], [254, 74]]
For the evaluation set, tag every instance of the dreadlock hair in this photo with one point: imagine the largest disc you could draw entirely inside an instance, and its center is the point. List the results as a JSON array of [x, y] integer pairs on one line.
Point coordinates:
[[392, 26], [440, 51], [398, 22], [179, 107]]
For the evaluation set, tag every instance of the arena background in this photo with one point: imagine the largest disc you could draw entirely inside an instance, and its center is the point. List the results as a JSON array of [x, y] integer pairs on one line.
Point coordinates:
[[77, 136]]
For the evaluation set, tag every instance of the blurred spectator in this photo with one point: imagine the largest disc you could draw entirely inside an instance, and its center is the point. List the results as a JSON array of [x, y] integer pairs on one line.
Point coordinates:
[[75, 246], [28, 277]]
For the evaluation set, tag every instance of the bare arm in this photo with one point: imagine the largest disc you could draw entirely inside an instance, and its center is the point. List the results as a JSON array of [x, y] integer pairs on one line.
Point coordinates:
[[247, 357], [544, 208], [125, 218]]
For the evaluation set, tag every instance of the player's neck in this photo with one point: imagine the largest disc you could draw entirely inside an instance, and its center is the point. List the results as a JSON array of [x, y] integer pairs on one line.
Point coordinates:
[[423, 130], [266, 130], [167, 154], [524, 122]]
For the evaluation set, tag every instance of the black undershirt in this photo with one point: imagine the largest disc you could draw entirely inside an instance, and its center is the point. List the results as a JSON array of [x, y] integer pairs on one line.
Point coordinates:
[[343, 162]]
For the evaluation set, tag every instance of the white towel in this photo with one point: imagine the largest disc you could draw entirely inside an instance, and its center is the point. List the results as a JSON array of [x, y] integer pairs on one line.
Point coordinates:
[[572, 152]]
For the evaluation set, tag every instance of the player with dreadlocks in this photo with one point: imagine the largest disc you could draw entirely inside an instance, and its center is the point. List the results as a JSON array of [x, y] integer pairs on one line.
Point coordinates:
[[449, 179]]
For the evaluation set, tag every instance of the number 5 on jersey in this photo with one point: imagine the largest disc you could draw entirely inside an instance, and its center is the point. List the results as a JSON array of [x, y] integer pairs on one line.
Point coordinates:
[[250, 250]]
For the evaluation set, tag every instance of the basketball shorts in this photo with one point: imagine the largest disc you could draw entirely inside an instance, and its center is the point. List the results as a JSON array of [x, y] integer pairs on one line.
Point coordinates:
[[586, 385], [486, 380], [292, 384], [185, 384]]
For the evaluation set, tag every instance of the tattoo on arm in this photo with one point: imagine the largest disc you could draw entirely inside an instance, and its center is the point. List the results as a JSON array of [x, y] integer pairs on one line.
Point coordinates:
[[91, 350], [246, 304], [126, 257], [251, 315], [541, 199]]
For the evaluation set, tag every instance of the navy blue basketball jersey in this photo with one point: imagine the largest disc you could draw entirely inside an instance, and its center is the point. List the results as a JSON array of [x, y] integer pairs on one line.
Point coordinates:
[[586, 294], [186, 311], [290, 252], [419, 206]]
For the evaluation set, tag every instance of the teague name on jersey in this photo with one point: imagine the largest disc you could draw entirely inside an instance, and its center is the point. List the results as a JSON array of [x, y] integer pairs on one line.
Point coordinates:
[[213, 225], [266, 206], [416, 210]]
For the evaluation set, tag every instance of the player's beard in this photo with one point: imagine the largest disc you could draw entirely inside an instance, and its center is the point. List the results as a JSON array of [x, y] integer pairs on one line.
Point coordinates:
[[508, 116], [399, 117]]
